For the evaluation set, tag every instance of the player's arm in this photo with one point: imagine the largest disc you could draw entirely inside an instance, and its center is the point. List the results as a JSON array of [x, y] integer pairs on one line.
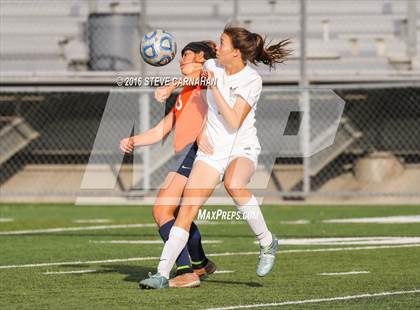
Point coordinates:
[[162, 93], [150, 136], [234, 116], [156, 133]]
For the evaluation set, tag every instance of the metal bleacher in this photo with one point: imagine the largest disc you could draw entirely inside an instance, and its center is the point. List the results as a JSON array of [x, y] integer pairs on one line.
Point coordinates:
[[41, 36], [345, 41]]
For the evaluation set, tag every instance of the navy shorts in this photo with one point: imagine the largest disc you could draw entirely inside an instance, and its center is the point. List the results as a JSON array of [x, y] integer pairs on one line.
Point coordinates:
[[185, 160]]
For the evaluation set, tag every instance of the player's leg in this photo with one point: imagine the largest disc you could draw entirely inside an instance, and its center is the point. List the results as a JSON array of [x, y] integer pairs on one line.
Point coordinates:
[[200, 185], [237, 176], [166, 204], [201, 264], [164, 212]]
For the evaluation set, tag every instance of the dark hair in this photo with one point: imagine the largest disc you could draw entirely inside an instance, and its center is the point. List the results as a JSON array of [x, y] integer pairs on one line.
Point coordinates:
[[253, 47], [207, 47]]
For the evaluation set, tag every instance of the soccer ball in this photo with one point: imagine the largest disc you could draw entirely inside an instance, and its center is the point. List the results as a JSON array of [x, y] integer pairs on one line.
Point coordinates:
[[158, 48]]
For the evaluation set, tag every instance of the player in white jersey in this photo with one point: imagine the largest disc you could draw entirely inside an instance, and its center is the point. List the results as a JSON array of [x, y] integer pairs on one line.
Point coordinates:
[[231, 139], [228, 147]]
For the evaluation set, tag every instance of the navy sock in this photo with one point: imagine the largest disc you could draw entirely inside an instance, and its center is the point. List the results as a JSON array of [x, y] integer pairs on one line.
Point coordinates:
[[195, 248], [183, 262]]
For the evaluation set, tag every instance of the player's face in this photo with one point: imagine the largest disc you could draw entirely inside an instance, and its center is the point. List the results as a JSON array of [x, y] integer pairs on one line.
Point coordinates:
[[188, 63], [225, 52]]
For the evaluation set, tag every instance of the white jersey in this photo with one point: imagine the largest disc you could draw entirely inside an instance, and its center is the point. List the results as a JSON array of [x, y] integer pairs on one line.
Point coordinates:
[[246, 83]]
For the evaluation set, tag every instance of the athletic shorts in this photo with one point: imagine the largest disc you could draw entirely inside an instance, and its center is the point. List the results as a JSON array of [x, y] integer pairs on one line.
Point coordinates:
[[221, 162], [185, 160]]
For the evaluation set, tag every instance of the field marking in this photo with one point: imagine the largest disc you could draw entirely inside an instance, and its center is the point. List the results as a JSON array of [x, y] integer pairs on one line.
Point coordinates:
[[115, 260], [77, 228], [349, 241], [133, 259], [342, 273], [378, 220], [318, 300], [224, 271], [70, 272], [6, 219], [297, 222], [388, 220], [157, 241], [87, 221], [97, 227]]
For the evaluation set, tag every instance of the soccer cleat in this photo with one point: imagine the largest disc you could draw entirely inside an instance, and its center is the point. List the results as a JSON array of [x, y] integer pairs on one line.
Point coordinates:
[[189, 279], [209, 268], [155, 281], [267, 258]]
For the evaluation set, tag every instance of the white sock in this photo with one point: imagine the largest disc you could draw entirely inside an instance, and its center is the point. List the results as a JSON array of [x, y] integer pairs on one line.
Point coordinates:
[[178, 238], [255, 219]]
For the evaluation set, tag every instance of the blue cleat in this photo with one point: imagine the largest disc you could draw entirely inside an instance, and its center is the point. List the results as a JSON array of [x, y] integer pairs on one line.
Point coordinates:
[[155, 281], [267, 258]]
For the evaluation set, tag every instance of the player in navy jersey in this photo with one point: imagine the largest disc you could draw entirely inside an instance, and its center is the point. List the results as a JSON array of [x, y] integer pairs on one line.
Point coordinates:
[[186, 118]]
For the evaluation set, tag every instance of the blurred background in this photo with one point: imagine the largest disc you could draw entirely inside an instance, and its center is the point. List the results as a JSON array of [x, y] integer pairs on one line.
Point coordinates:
[[59, 61]]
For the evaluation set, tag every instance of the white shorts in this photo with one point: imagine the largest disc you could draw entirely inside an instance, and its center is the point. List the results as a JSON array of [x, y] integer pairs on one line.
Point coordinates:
[[221, 162]]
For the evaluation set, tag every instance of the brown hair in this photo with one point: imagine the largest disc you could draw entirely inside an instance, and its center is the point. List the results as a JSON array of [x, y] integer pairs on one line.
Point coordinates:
[[253, 47]]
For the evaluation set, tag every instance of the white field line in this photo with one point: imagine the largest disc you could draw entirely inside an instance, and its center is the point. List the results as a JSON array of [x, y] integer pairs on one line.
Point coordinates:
[[297, 222], [79, 228], [133, 259], [349, 241], [342, 273], [6, 219], [310, 301], [378, 220], [70, 272], [88, 221], [394, 219], [157, 241], [224, 271], [97, 227]]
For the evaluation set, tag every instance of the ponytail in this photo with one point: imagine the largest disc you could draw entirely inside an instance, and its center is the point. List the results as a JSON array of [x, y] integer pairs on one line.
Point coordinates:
[[270, 55], [253, 47], [212, 46]]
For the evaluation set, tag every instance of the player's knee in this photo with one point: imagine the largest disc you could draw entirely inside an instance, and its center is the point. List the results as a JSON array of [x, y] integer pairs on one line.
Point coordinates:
[[233, 187], [162, 214]]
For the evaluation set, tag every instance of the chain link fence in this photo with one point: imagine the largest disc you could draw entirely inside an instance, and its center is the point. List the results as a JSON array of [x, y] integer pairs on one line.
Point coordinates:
[[363, 137], [48, 136]]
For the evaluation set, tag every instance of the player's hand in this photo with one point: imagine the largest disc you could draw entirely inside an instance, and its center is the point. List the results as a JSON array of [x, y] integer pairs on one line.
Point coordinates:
[[204, 144], [209, 75], [162, 93], [127, 145]]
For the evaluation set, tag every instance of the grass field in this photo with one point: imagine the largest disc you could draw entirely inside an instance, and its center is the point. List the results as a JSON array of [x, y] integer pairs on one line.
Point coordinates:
[[37, 241]]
